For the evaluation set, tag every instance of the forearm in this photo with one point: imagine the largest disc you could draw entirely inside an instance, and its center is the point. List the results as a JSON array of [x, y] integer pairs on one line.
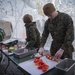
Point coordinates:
[[30, 44]]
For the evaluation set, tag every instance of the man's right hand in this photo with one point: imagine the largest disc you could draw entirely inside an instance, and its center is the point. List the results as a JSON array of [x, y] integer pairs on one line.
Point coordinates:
[[41, 50], [59, 53]]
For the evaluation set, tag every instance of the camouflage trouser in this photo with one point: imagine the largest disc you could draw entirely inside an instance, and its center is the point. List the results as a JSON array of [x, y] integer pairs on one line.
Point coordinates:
[[55, 46]]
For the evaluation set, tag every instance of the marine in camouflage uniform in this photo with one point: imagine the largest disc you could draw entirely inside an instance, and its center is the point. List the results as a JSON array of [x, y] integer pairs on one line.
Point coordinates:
[[62, 32], [33, 35]]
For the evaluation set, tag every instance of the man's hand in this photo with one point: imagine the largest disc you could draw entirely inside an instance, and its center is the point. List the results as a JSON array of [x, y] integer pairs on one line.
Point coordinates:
[[59, 53], [41, 50]]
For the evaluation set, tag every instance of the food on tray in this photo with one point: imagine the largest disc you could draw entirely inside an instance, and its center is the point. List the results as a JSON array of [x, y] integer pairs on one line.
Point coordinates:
[[37, 55], [41, 65], [52, 58], [11, 49]]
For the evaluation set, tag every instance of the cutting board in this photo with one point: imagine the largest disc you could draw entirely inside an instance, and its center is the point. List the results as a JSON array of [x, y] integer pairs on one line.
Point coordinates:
[[32, 69]]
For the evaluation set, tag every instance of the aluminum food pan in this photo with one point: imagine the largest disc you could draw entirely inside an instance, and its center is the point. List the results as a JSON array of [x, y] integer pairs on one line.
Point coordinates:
[[66, 67], [23, 52]]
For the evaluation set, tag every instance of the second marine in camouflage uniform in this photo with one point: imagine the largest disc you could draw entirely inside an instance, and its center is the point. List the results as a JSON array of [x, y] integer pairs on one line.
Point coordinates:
[[33, 35], [62, 32]]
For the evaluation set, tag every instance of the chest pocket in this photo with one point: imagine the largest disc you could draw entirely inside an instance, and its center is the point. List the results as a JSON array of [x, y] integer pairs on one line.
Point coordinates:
[[60, 27], [51, 28], [57, 28]]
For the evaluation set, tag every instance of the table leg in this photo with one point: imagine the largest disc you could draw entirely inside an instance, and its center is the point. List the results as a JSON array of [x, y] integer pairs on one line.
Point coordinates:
[[7, 65], [0, 56]]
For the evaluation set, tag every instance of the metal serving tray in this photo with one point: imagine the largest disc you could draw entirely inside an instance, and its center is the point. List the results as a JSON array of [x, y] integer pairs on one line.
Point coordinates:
[[66, 67], [23, 52]]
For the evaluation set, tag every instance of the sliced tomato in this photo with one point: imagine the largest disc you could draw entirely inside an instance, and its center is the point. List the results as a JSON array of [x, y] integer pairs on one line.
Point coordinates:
[[35, 60], [44, 69]]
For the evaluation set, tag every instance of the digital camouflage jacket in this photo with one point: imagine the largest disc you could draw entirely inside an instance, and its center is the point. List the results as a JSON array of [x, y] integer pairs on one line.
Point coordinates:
[[62, 32], [33, 35]]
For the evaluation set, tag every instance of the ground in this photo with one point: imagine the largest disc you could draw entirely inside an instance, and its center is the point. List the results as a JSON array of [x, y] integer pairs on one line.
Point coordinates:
[[11, 70]]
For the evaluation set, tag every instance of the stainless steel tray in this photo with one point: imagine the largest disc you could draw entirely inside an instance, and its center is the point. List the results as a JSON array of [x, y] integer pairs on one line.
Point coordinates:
[[23, 52], [67, 67]]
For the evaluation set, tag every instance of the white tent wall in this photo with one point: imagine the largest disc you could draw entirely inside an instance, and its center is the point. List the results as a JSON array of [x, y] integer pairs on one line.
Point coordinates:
[[14, 10]]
